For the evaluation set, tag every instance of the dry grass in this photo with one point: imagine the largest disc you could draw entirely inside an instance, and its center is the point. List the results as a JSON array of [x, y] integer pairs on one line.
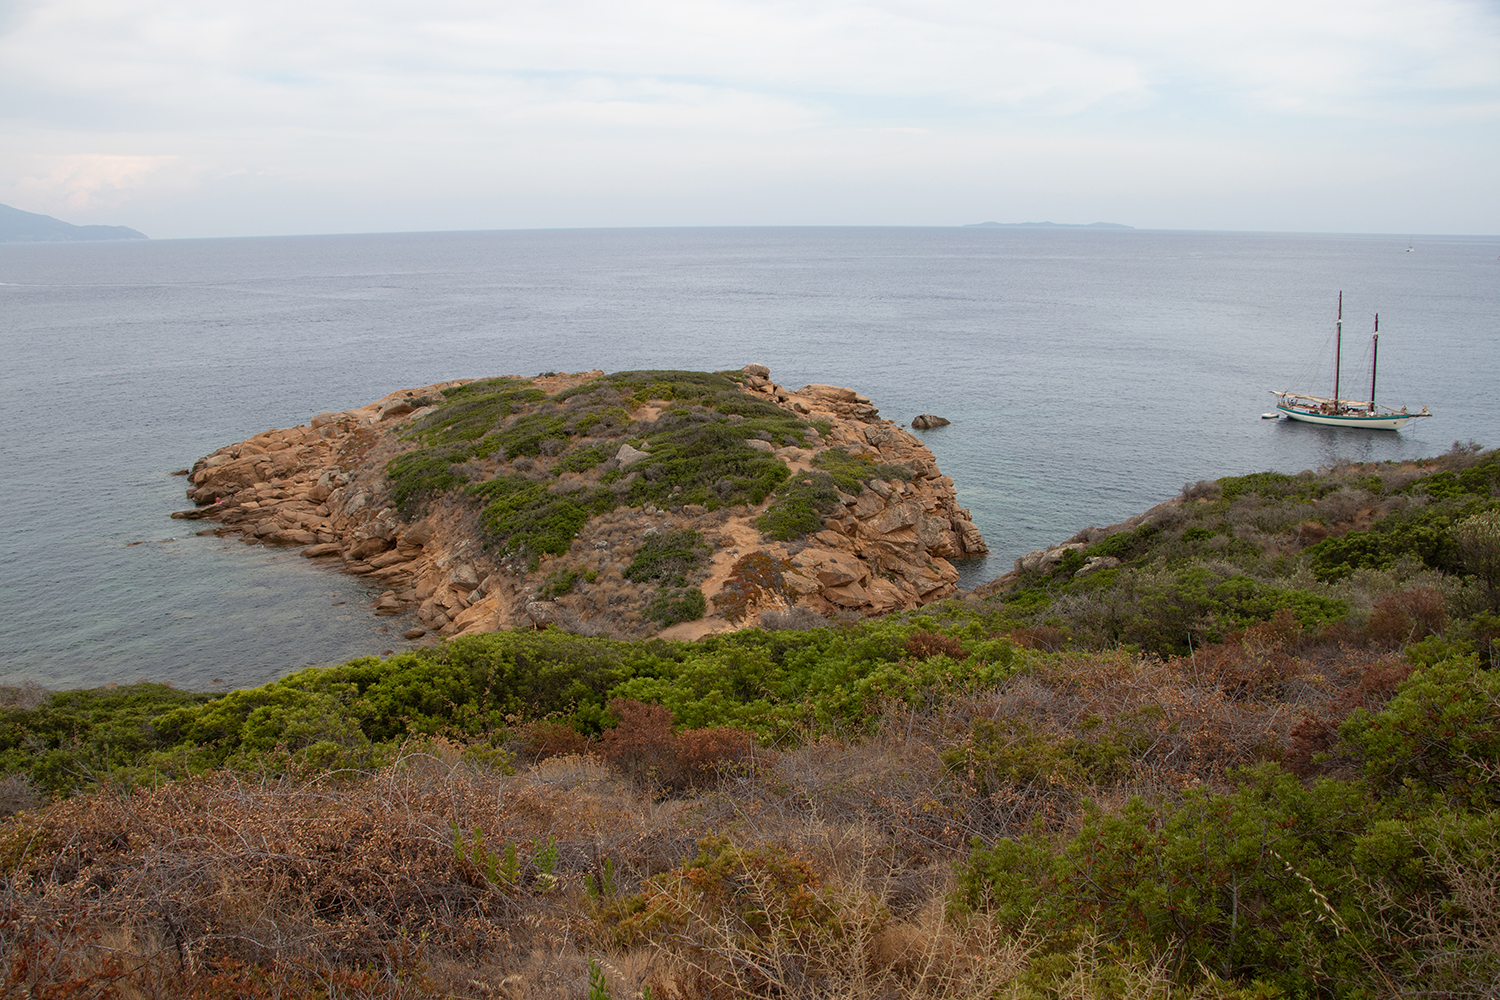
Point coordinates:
[[821, 870]]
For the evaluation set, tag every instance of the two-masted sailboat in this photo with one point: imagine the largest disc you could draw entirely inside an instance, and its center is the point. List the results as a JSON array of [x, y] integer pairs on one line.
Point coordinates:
[[1336, 411]]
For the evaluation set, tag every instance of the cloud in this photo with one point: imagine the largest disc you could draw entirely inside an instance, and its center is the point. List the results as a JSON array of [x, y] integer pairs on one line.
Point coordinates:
[[82, 181], [402, 101]]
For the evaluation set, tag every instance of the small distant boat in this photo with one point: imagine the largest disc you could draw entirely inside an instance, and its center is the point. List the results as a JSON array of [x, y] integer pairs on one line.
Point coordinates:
[[1336, 411]]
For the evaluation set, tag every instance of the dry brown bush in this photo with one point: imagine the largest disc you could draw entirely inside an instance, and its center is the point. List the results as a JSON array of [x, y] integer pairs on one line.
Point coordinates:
[[543, 738], [1406, 616], [645, 749], [925, 645], [381, 885]]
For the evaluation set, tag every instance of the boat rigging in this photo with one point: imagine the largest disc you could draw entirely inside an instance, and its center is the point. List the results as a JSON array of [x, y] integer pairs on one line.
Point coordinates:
[[1335, 411]]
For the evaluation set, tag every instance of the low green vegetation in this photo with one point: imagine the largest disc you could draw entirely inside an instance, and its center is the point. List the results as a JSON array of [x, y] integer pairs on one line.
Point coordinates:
[[505, 442], [1328, 548], [799, 508], [771, 683], [523, 517], [1183, 760], [851, 472], [668, 557], [1352, 869], [672, 605]]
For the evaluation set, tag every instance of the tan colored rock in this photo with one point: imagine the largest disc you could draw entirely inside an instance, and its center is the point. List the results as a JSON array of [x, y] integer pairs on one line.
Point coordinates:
[[896, 516], [320, 550], [390, 558], [849, 595], [801, 585], [883, 595], [364, 548]]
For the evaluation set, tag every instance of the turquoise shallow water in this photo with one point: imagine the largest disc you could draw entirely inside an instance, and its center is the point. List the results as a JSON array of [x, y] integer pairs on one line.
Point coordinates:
[[1088, 375]]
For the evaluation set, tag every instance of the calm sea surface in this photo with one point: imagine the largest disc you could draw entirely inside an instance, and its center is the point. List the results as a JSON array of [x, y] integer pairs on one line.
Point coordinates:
[[1088, 375]]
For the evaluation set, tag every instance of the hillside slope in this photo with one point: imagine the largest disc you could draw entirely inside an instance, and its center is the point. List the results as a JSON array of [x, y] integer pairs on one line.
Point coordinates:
[[17, 226]]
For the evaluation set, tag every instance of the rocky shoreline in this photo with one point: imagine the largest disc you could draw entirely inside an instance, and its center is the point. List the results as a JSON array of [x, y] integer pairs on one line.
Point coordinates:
[[323, 486]]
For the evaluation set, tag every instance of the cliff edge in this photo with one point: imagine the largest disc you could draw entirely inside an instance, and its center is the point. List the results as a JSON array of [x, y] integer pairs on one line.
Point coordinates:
[[628, 504]]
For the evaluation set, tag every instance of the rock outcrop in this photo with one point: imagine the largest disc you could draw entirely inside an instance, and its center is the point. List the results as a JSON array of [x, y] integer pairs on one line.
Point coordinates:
[[323, 487], [926, 421]]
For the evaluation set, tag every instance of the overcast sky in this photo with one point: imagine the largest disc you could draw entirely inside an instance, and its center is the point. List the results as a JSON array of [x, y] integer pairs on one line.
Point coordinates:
[[207, 118]]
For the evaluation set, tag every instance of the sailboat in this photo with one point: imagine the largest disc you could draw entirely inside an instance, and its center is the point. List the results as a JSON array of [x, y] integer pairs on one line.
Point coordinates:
[[1336, 411]]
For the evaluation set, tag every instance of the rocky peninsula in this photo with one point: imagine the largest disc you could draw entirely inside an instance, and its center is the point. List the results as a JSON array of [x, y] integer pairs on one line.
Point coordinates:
[[624, 505]]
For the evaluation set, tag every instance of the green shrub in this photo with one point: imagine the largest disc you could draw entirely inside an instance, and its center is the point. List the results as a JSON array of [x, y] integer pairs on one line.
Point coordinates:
[[75, 740], [799, 507], [526, 519], [696, 456], [1225, 880], [1424, 533], [668, 557], [418, 476], [1124, 545], [471, 411], [527, 435], [682, 604], [559, 583], [1441, 730], [850, 472], [1279, 486], [584, 459]]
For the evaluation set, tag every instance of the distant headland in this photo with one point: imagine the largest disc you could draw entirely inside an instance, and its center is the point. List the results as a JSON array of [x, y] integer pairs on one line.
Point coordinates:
[[17, 226], [1046, 225]]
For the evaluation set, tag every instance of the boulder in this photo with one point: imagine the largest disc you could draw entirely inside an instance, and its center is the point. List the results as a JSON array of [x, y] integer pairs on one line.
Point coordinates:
[[830, 393], [926, 421], [323, 549], [464, 576], [387, 559], [629, 456], [849, 595], [759, 371], [899, 515], [367, 547]]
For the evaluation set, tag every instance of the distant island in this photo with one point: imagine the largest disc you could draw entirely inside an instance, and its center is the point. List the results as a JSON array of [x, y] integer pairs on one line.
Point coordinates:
[[1046, 225], [17, 226]]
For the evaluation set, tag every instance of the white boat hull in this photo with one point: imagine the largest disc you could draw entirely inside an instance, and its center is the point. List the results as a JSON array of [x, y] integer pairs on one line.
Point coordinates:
[[1374, 422]]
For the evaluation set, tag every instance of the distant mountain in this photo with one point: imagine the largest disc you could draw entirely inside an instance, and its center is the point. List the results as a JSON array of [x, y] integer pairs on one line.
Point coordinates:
[[1045, 225], [17, 226]]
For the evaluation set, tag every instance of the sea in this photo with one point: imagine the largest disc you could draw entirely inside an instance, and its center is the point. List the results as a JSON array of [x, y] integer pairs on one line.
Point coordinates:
[[1088, 374]]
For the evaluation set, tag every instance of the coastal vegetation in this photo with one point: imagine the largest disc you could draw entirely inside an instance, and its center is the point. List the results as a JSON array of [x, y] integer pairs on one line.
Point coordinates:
[[1244, 746], [505, 442]]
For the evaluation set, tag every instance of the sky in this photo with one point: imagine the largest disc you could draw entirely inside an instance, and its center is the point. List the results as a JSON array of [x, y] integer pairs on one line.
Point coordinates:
[[208, 118]]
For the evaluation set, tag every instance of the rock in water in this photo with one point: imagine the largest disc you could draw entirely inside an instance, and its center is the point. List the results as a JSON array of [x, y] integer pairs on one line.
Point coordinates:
[[926, 421]]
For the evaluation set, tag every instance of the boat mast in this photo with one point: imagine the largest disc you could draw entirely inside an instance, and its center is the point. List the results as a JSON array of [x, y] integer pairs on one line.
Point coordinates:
[[1338, 344], [1374, 356]]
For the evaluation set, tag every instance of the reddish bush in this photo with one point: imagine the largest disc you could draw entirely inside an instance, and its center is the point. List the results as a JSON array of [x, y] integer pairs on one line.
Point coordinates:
[[1281, 631], [644, 747], [703, 753], [926, 645], [1406, 617], [1318, 733], [548, 738]]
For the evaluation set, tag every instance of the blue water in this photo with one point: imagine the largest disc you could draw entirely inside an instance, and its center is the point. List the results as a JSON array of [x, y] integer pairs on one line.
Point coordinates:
[[1088, 376]]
